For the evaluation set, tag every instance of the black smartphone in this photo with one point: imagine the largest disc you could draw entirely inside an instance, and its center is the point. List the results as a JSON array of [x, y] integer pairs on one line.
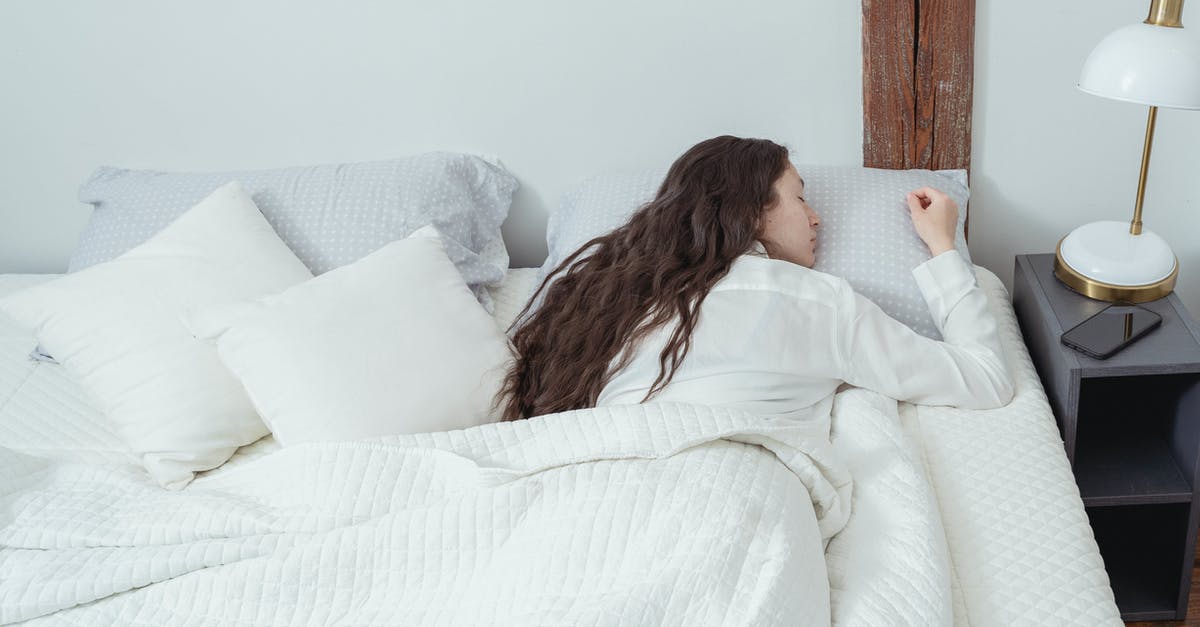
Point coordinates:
[[1112, 329]]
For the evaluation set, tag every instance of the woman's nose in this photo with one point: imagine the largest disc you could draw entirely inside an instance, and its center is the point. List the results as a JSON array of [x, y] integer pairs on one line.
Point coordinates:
[[813, 218]]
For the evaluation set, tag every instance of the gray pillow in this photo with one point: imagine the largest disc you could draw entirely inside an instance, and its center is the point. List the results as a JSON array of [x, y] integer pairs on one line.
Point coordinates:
[[866, 236], [329, 215]]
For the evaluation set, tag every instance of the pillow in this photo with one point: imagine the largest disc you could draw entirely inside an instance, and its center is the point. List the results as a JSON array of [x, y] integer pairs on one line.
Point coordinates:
[[330, 215], [865, 237], [393, 343], [117, 329]]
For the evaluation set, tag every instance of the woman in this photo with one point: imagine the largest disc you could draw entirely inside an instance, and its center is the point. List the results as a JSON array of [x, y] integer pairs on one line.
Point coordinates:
[[706, 296]]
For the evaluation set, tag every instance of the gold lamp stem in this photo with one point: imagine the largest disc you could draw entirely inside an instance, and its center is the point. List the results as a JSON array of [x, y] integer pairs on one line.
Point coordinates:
[[1166, 13], [1135, 227]]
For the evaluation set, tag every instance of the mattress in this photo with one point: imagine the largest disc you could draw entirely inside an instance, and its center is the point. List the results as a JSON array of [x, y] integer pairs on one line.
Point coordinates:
[[1007, 515]]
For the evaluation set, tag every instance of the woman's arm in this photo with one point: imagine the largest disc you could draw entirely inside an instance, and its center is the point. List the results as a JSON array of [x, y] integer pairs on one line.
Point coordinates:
[[967, 369]]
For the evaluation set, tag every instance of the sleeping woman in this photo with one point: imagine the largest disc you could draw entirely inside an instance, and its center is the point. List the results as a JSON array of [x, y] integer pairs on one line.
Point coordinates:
[[707, 296]]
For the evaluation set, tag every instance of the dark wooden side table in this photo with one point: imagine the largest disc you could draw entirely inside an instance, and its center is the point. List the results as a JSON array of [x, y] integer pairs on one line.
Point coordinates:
[[1131, 427]]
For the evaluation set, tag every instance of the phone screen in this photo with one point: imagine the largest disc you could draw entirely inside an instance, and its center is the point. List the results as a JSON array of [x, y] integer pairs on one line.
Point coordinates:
[[1111, 329]]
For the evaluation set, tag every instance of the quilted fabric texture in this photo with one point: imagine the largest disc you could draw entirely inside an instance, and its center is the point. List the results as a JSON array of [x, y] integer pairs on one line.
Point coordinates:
[[1018, 535], [866, 235], [641, 515], [890, 565], [329, 215]]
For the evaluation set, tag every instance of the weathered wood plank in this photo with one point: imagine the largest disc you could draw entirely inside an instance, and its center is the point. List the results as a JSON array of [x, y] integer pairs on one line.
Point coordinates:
[[918, 61], [944, 67], [888, 95]]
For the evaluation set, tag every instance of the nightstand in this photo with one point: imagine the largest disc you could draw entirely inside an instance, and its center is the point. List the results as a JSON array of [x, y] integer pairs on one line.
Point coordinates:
[[1131, 427]]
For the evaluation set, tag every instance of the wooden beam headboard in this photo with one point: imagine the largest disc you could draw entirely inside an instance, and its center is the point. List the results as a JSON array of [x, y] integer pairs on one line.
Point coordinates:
[[918, 59]]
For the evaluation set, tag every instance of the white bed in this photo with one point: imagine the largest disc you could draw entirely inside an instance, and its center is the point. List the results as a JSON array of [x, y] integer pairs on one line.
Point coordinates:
[[970, 517]]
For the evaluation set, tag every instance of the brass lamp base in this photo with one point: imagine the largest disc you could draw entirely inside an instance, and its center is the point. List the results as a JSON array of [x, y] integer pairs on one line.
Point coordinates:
[[1100, 290]]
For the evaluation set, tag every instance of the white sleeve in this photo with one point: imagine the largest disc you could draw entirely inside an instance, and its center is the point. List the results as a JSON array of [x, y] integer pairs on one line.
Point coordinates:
[[966, 369]]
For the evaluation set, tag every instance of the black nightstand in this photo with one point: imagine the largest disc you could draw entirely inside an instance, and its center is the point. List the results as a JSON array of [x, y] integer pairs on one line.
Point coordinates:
[[1131, 427]]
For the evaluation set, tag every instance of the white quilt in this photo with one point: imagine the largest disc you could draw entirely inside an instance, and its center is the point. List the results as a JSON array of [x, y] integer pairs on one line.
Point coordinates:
[[633, 515], [654, 514]]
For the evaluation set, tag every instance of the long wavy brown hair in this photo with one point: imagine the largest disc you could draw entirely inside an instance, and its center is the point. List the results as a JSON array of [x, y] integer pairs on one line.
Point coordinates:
[[603, 299]]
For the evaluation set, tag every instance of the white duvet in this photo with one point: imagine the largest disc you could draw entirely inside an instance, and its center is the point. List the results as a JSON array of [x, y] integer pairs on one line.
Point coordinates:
[[653, 514]]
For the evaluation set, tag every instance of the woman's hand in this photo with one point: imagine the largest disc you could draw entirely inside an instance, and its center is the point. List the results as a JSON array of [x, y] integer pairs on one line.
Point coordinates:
[[935, 216]]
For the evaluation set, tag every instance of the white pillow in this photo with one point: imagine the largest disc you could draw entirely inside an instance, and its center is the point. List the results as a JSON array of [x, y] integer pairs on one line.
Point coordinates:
[[393, 343], [117, 328]]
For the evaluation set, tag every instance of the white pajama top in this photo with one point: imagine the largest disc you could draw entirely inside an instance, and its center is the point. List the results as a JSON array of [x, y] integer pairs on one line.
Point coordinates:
[[777, 339]]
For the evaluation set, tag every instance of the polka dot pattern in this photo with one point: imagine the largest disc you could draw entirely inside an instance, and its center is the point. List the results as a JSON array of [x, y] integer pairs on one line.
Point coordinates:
[[329, 215], [866, 235]]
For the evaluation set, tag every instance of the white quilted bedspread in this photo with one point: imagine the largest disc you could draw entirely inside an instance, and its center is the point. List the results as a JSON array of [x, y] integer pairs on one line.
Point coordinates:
[[1020, 542], [639, 515]]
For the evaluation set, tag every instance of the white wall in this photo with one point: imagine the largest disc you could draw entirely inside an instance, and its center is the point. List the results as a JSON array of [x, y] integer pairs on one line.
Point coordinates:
[[1047, 157], [559, 90]]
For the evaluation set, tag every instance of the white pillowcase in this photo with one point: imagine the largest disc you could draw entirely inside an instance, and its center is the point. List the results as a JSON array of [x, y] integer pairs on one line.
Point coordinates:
[[117, 328], [393, 343]]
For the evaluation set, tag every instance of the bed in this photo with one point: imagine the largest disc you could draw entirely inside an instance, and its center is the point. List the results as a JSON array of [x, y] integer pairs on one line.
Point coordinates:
[[963, 517]]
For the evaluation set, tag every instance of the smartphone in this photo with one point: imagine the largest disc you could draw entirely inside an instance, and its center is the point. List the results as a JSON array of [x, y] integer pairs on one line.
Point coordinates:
[[1112, 329]]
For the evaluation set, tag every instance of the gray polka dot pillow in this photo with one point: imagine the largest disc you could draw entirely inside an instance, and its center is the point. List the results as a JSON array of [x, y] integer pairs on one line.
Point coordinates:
[[866, 236], [329, 215]]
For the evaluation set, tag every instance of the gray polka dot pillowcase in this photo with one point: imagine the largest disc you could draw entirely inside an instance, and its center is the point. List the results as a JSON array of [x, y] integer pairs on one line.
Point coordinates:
[[329, 215], [866, 235]]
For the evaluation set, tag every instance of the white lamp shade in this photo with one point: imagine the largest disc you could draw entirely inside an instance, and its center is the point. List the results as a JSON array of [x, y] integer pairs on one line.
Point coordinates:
[[1151, 65]]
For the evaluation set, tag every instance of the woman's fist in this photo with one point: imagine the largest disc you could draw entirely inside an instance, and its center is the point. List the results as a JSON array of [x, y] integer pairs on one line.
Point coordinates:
[[935, 216]]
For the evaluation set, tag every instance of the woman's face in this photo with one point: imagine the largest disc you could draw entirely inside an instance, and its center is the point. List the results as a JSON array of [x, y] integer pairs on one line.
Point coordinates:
[[789, 229]]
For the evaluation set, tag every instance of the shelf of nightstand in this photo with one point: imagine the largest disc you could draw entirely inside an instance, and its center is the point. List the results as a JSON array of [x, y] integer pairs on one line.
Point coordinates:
[[1139, 545], [1124, 453], [1137, 468]]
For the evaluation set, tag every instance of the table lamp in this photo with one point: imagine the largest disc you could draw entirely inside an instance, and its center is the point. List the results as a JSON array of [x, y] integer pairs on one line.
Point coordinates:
[[1153, 63]]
